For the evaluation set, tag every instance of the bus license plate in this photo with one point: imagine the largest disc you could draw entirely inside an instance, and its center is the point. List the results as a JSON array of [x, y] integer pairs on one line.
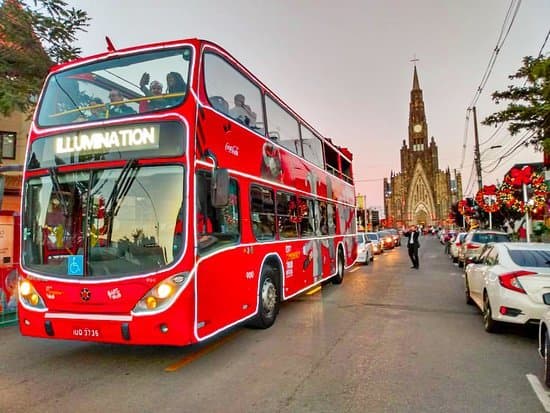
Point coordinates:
[[85, 332]]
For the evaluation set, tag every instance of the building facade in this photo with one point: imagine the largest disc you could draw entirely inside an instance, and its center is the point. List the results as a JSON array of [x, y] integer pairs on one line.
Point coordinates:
[[421, 193]]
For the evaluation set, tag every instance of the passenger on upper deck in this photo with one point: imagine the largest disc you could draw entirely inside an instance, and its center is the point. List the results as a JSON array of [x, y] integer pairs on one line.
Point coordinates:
[[242, 112], [154, 90], [175, 85], [97, 109], [116, 108]]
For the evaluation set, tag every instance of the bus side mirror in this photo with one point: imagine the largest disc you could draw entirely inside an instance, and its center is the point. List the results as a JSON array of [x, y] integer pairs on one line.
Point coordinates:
[[220, 188]]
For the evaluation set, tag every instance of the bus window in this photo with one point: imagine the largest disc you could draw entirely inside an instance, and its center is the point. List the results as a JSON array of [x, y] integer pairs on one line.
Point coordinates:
[[312, 146], [73, 95], [232, 93], [307, 214], [263, 212], [216, 225], [323, 219], [287, 218], [331, 157], [283, 128]]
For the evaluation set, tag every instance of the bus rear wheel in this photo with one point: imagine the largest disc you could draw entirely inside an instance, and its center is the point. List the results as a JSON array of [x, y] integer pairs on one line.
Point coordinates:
[[268, 306], [339, 277]]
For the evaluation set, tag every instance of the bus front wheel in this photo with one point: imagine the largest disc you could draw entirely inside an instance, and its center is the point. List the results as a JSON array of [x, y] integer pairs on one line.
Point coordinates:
[[268, 305]]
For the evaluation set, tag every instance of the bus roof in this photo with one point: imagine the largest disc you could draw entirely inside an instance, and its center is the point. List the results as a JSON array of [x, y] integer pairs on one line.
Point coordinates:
[[198, 44]]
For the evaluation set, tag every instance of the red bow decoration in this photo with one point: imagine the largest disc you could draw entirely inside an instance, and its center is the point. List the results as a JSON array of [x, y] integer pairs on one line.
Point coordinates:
[[489, 190], [519, 177]]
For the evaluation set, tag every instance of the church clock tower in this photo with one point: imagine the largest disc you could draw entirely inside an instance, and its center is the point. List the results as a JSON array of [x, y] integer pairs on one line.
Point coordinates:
[[421, 194]]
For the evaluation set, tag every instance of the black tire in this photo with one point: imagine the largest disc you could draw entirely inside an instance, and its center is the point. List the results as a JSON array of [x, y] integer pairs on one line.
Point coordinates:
[[469, 300], [339, 276], [460, 264], [269, 302], [546, 359], [490, 325]]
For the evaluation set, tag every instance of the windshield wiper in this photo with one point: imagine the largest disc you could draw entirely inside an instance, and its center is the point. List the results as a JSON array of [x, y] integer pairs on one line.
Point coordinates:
[[57, 187], [121, 187]]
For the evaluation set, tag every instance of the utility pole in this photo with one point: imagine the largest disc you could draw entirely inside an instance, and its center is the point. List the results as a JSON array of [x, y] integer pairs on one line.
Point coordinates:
[[477, 156]]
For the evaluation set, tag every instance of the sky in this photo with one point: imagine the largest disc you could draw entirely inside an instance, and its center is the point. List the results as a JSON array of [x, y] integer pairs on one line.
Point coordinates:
[[346, 67]]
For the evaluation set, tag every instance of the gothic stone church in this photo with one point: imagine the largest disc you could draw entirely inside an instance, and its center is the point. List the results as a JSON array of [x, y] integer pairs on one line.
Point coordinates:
[[421, 194]]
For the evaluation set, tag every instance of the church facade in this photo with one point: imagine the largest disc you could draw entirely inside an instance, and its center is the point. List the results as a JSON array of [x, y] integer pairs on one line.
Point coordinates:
[[421, 193]]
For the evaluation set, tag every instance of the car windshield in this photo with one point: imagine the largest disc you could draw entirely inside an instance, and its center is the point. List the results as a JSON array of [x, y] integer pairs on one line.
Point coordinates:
[[485, 238], [372, 237], [531, 258], [120, 87], [111, 222], [360, 238]]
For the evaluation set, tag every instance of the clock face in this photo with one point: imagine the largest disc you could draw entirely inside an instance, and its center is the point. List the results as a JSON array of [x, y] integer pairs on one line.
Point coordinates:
[[417, 128]]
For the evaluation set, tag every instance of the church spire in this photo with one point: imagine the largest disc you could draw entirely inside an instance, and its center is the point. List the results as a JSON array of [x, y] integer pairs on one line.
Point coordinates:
[[416, 84]]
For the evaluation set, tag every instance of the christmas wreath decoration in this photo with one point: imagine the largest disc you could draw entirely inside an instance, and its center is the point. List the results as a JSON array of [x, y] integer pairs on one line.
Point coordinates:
[[513, 183], [464, 208], [488, 190]]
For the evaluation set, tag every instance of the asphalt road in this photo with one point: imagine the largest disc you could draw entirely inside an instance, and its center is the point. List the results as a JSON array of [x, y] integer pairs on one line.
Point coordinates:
[[389, 339]]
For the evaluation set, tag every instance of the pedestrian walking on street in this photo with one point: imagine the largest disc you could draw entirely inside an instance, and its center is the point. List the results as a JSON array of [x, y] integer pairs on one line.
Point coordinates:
[[413, 244]]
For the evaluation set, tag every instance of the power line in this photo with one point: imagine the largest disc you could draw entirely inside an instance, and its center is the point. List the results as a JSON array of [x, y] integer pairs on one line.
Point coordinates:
[[544, 43], [504, 31]]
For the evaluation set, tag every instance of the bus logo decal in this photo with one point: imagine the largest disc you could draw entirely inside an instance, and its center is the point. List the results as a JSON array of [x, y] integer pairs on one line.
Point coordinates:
[[114, 294], [232, 149], [85, 294]]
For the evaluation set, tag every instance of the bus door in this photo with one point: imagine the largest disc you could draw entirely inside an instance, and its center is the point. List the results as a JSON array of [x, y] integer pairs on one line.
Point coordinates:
[[225, 292]]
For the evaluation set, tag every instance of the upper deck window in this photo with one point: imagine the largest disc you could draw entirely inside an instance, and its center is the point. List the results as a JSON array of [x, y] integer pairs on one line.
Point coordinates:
[[283, 127], [119, 87], [232, 93]]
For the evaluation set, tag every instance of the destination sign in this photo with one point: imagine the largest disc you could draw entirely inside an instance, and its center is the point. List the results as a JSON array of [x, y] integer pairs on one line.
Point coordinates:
[[101, 140], [137, 140]]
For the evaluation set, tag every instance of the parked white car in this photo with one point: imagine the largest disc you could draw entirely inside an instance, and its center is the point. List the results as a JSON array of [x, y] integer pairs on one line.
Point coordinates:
[[365, 253], [510, 282], [456, 244]]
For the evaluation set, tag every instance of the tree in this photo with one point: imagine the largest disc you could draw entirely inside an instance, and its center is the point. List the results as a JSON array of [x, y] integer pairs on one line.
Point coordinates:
[[32, 39], [529, 107]]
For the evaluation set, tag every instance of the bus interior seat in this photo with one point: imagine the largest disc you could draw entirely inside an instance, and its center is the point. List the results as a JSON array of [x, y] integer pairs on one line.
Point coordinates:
[[220, 104]]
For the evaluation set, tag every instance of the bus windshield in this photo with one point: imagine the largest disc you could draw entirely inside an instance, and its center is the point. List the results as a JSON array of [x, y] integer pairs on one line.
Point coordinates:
[[112, 222], [119, 87]]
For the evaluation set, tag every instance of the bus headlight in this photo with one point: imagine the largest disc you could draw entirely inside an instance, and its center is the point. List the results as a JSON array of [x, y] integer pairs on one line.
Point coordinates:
[[29, 296], [161, 295]]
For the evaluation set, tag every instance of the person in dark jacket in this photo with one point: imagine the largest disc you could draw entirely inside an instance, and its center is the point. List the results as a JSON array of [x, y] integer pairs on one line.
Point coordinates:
[[413, 244]]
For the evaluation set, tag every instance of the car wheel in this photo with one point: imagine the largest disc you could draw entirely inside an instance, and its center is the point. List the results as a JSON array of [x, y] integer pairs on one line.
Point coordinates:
[[490, 325], [339, 276], [469, 300], [546, 359], [268, 307], [460, 264]]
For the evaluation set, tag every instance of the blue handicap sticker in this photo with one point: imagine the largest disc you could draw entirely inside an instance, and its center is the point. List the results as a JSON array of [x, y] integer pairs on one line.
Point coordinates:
[[75, 265]]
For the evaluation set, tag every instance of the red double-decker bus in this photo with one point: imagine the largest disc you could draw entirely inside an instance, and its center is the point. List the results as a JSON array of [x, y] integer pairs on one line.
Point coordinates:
[[168, 195]]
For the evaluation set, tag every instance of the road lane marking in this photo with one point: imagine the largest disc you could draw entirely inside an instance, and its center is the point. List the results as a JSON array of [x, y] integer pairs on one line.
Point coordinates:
[[543, 395], [353, 269], [195, 356], [315, 290]]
